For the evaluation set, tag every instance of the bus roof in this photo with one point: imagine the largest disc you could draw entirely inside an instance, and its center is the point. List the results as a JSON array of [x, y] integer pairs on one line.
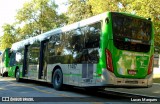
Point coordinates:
[[48, 34]]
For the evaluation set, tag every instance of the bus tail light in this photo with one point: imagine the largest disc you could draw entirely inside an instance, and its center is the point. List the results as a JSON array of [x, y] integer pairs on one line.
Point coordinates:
[[150, 68], [109, 60]]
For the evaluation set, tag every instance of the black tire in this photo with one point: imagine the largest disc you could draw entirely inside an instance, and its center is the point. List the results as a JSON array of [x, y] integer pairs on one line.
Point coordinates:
[[17, 75], [5, 74], [57, 79]]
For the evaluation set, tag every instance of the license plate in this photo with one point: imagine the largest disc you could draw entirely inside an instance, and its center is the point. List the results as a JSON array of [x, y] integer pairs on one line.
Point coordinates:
[[132, 72]]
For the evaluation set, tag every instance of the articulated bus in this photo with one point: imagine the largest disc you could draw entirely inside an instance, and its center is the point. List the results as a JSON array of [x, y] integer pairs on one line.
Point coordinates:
[[4, 62], [109, 49]]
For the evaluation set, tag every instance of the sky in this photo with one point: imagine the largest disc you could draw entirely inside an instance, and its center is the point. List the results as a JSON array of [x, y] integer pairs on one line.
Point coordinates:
[[8, 9]]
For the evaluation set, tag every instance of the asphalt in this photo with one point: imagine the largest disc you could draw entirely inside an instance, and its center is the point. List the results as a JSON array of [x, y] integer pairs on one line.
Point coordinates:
[[152, 92]]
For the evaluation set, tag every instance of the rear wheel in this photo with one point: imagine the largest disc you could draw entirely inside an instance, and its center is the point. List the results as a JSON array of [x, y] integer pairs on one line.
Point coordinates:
[[57, 79], [17, 75]]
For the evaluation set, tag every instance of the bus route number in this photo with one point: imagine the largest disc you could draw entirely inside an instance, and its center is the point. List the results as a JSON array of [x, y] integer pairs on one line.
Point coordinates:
[[72, 66]]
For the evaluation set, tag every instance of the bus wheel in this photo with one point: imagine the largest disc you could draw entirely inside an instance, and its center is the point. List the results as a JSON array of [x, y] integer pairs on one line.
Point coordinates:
[[5, 74], [17, 75], [57, 80]]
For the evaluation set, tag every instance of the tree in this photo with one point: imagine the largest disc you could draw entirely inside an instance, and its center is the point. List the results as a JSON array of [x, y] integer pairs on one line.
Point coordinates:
[[8, 38], [148, 9], [100, 6], [38, 16], [78, 10]]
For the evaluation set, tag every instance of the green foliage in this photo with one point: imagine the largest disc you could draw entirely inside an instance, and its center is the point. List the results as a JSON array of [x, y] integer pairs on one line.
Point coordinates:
[[100, 6], [38, 16], [8, 38], [78, 10]]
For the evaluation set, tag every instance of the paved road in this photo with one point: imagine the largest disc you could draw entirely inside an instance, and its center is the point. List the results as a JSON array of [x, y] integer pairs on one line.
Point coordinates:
[[43, 92], [153, 91]]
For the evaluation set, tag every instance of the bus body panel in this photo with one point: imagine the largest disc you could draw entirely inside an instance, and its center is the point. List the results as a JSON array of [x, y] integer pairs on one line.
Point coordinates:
[[75, 74], [11, 71], [5, 58], [129, 64]]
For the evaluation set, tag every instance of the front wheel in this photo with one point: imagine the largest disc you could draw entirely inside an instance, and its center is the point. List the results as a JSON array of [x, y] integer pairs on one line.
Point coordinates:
[[57, 79], [17, 75]]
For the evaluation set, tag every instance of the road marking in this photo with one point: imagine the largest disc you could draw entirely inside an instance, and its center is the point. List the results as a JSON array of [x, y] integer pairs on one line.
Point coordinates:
[[48, 92], [63, 95], [98, 103], [1, 88], [13, 84], [6, 79]]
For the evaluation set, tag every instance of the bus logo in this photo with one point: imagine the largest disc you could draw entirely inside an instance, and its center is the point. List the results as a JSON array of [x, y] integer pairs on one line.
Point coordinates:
[[5, 98]]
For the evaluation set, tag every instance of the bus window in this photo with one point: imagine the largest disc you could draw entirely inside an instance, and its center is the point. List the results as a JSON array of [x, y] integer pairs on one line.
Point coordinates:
[[92, 35], [12, 61], [92, 40], [132, 34], [58, 52], [34, 51], [20, 56]]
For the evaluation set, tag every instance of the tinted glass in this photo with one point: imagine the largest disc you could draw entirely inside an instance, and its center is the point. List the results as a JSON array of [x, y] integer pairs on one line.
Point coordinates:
[[130, 27], [130, 33], [76, 46], [33, 53], [12, 60]]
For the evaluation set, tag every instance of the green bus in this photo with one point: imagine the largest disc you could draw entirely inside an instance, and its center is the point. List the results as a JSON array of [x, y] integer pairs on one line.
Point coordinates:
[[4, 62], [109, 49]]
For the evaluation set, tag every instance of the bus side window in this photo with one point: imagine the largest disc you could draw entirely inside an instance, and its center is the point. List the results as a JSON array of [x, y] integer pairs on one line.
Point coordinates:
[[92, 41], [10, 53], [51, 44], [34, 51], [77, 45], [20, 56], [12, 61], [55, 49]]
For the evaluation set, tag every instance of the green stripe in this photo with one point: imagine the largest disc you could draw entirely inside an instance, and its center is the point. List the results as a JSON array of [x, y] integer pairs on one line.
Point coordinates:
[[78, 75]]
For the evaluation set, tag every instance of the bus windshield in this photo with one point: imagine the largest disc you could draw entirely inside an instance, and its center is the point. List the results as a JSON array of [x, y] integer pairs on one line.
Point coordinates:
[[131, 30]]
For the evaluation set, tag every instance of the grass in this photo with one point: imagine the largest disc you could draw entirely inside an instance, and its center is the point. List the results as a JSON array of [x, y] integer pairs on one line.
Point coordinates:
[[156, 80]]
